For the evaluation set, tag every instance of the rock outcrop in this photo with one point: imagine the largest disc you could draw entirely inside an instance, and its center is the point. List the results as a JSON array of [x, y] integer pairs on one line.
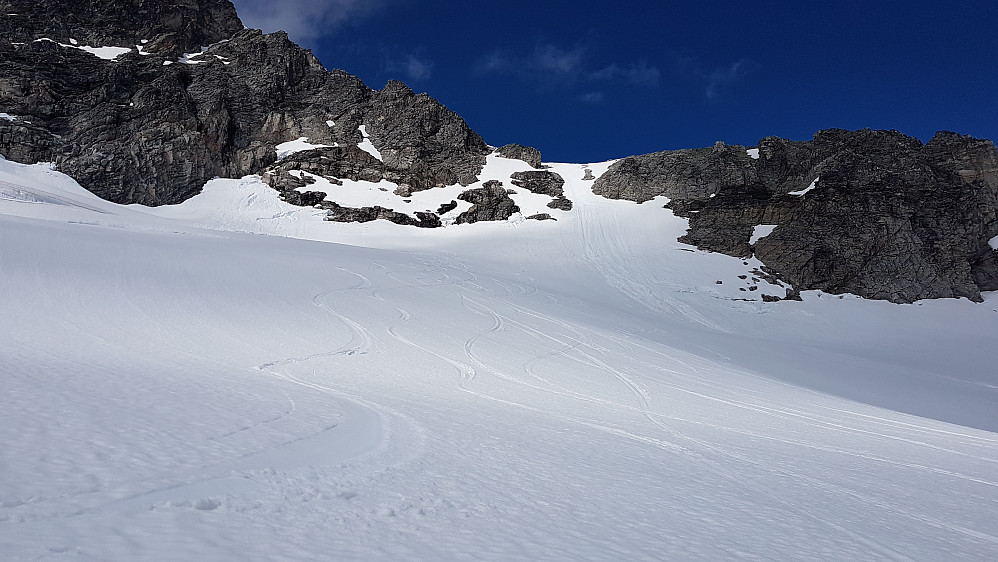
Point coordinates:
[[334, 163], [338, 213], [488, 203], [544, 183], [874, 213], [423, 144], [526, 154], [153, 126]]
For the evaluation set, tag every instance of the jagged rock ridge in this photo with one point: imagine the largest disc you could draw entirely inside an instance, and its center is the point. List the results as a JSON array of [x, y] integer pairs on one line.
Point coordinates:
[[875, 213], [153, 126]]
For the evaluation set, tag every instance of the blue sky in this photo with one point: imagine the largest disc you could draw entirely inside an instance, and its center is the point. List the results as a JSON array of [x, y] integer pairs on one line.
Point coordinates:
[[590, 81]]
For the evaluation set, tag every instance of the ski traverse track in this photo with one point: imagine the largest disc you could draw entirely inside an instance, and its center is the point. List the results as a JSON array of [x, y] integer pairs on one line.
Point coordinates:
[[579, 389], [363, 430], [717, 467], [465, 373], [601, 233], [676, 444]]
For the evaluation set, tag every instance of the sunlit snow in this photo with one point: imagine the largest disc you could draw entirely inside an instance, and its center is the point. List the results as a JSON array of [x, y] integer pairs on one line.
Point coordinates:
[[761, 231], [366, 145], [106, 53], [810, 187], [300, 144], [753, 153], [235, 378], [194, 58]]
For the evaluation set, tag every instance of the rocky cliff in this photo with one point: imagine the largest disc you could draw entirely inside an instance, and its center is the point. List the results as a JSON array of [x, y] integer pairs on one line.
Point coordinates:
[[190, 94], [875, 213]]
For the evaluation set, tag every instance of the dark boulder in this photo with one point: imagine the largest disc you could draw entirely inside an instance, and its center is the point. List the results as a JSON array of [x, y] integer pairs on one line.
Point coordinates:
[[447, 207], [489, 203], [544, 183], [541, 217], [337, 213]]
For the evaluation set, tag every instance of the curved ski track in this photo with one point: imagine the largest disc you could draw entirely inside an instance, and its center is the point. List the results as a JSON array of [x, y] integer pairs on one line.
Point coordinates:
[[582, 350]]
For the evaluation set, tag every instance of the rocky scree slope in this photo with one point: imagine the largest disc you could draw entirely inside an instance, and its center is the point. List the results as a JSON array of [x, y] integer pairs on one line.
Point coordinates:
[[198, 96], [874, 213]]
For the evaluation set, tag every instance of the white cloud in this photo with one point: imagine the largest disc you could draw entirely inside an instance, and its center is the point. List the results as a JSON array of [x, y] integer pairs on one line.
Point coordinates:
[[639, 73], [415, 68], [554, 59], [720, 78], [554, 67], [303, 20], [498, 61]]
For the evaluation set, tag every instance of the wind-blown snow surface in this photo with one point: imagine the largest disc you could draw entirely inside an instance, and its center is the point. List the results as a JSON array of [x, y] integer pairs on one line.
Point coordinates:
[[579, 389]]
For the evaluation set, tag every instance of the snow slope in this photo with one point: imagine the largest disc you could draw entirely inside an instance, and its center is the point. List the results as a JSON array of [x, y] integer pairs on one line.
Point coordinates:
[[232, 378]]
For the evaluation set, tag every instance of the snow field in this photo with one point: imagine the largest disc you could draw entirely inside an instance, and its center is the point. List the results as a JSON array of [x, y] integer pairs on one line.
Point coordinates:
[[579, 389]]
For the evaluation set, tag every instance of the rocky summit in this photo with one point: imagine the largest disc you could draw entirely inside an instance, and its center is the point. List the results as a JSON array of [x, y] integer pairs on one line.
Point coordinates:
[[144, 101]]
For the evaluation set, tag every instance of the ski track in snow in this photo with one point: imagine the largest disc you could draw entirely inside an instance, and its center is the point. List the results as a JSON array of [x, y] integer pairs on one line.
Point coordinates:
[[500, 323], [236, 396], [699, 450]]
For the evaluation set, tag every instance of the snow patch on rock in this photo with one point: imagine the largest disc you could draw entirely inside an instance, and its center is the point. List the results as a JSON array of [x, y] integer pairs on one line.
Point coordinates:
[[366, 145], [106, 53], [300, 144], [801, 192], [761, 231]]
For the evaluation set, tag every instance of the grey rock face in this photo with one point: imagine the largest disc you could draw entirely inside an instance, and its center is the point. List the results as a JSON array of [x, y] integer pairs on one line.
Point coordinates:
[[888, 219], [150, 129], [544, 183], [178, 26], [489, 203], [527, 154], [677, 174], [423, 143]]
